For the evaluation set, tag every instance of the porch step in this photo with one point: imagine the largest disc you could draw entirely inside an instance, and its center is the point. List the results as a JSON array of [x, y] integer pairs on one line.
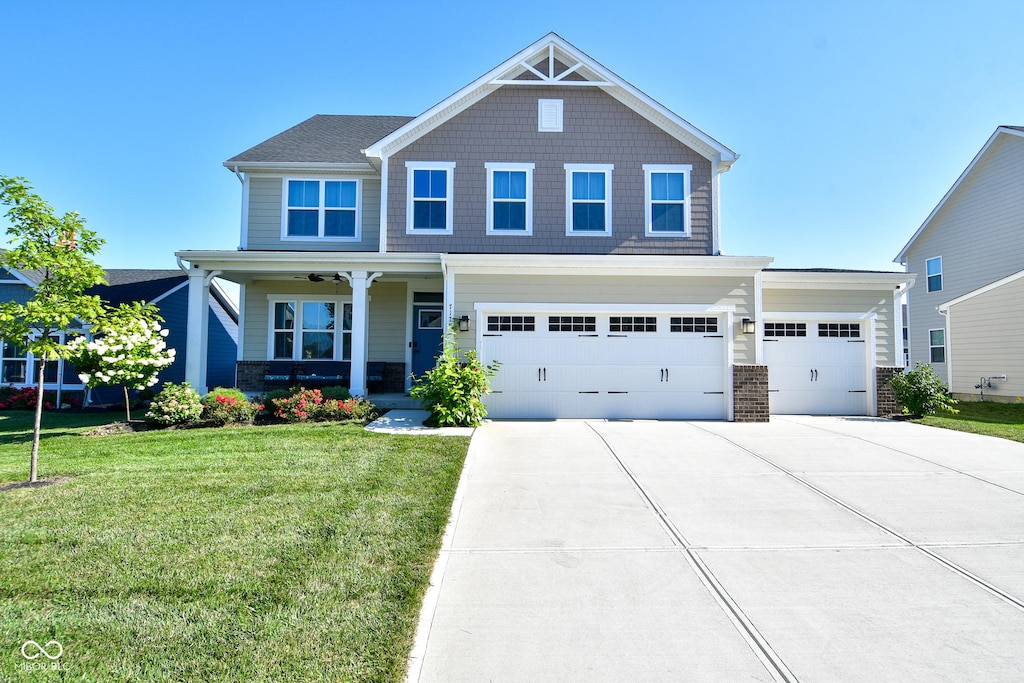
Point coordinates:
[[394, 401]]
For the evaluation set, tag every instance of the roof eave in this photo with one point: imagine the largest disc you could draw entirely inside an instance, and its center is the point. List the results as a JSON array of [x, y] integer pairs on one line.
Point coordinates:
[[258, 166]]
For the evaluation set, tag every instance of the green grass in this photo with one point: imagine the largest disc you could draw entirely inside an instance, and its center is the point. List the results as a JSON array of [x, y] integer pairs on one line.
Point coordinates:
[[1005, 420], [281, 553]]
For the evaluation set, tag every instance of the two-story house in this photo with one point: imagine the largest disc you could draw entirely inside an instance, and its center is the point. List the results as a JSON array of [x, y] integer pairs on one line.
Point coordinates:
[[568, 224], [966, 317]]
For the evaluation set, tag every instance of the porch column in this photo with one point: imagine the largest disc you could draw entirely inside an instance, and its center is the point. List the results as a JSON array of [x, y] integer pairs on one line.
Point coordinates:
[[197, 322], [360, 318]]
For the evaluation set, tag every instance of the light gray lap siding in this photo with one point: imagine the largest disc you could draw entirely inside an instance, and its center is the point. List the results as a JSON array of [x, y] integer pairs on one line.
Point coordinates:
[[597, 129], [265, 216]]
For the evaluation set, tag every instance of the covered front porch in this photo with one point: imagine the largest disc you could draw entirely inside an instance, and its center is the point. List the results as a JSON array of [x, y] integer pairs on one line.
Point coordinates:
[[361, 320]]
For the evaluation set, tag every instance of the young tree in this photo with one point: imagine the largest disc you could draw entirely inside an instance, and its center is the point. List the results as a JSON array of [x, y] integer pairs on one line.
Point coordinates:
[[128, 349], [59, 249]]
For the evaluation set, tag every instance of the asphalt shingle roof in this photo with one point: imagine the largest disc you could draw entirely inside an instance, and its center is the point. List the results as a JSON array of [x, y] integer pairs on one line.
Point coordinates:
[[127, 285], [324, 138]]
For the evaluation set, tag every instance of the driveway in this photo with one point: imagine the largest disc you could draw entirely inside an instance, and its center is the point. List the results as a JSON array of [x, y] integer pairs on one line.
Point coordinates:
[[807, 548]]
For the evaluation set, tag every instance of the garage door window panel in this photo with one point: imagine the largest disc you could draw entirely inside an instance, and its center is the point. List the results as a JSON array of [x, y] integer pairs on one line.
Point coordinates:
[[839, 330], [691, 324], [511, 323], [785, 329], [628, 323], [572, 323]]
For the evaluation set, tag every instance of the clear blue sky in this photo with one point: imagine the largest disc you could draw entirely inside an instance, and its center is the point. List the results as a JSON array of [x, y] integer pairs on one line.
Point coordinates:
[[852, 119]]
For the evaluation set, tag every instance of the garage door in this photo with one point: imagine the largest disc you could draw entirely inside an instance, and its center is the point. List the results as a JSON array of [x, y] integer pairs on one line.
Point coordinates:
[[816, 368], [605, 365]]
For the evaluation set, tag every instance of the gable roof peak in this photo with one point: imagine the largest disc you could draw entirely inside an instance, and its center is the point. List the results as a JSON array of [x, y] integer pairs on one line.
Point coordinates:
[[554, 61]]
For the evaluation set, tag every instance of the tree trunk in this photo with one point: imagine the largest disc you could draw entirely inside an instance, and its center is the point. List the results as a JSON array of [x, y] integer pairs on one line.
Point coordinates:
[[127, 404], [33, 471]]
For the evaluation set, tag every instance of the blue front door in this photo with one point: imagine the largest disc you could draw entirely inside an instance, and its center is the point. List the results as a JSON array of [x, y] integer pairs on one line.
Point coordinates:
[[427, 326]]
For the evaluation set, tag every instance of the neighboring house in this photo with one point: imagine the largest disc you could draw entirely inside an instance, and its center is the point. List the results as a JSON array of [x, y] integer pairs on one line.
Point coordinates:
[[569, 225], [966, 317], [168, 291]]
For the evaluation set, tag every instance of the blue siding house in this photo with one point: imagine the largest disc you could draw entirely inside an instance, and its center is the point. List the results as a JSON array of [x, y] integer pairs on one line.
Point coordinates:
[[168, 291]]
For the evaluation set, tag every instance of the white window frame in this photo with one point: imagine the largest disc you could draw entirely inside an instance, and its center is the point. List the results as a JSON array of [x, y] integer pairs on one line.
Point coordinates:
[[927, 277], [339, 315], [554, 107], [322, 210], [26, 359], [519, 168], [410, 168], [937, 346], [649, 170], [606, 169]]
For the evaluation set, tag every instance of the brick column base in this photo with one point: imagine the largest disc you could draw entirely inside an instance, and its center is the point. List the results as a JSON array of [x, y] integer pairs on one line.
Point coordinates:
[[750, 393], [249, 374], [885, 398]]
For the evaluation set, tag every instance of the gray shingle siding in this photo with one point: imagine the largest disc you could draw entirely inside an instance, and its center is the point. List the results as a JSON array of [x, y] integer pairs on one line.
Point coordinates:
[[597, 129]]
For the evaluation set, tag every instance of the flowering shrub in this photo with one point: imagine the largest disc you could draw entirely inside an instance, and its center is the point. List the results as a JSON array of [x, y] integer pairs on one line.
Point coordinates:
[[225, 406], [175, 404], [24, 398], [310, 405]]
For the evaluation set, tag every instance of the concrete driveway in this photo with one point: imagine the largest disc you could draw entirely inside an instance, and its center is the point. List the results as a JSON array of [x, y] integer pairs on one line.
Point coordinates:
[[808, 548]]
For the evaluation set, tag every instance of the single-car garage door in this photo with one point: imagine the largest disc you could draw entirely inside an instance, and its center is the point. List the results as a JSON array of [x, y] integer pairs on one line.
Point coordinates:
[[574, 364], [816, 368]]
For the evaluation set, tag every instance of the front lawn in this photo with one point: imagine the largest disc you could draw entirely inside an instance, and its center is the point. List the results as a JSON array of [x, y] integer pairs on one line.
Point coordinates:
[[1005, 420], [280, 553]]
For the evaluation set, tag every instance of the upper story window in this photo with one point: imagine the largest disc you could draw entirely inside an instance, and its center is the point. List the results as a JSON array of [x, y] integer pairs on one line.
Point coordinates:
[[509, 199], [321, 209], [588, 200], [429, 201], [933, 266], [937, 346], [667, 198]]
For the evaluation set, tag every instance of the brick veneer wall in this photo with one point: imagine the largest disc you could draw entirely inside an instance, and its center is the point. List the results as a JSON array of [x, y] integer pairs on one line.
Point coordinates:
[[750, 393], [250, 376], [885, 398]]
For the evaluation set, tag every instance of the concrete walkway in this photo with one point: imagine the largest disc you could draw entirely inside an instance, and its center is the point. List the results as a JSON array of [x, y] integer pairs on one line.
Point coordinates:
[[808, 548]]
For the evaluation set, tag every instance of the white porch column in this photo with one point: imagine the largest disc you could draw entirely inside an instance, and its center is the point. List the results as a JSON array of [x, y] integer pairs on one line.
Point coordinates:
[[198, 320], [360, 281], [360, 318]]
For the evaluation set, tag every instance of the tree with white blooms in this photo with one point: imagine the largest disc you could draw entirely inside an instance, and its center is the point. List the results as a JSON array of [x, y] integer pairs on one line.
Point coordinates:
[[128, 348]]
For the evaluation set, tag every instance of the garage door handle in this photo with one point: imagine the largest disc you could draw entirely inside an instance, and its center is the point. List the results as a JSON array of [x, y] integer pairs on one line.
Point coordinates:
[[589, 392], [709, 393], [856, 341], [588, 335], [857, 391], [618, 392], [714, 336], [618, 335], [542, 374]]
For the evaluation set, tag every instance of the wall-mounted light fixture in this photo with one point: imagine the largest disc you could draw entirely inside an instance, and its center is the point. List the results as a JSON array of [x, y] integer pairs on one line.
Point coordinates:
[[749, 326], [464, 324]]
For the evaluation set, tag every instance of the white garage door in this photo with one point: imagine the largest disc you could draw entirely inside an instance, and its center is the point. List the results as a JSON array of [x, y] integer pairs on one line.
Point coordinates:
[[605, 365], [816, 368]]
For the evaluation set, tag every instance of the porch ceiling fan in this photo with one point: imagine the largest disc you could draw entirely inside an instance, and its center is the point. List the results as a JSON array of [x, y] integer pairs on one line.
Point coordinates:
[[317, 277]]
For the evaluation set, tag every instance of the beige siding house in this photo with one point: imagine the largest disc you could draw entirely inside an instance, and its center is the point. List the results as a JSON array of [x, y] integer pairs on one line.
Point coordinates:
[[970, 244], [563, 223]]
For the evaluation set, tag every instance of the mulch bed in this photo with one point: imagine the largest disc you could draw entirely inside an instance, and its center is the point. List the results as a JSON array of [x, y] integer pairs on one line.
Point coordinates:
[[34, 484]]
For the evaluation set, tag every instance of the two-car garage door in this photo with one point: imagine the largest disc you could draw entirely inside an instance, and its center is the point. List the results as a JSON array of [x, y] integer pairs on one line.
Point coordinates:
[[612, 364]]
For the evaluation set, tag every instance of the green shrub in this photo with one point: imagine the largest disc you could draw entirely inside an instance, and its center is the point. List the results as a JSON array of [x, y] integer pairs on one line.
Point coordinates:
[[336, 393], [223, 406], [921, 392], [355, 409], [453, 389], [175, 404]]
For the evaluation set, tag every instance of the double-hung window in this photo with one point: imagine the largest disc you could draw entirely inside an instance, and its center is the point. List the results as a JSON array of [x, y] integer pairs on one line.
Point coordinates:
[[509, 199], [14, 364], [321, 209], [318, 329], [934, 268], [667, 198], [429, 197], [937, 346], [588, 199]]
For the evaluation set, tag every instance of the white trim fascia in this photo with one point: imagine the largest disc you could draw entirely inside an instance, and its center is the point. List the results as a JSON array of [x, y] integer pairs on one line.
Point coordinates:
[[730, 362], [716, 210], [834, 280], [982, 290], [259, 168], [285, 262], [870, 365], [605, 264], [612, 84], [232, 307], [172, 290], [897, 324], [19, 278], [1001, 130], [382, 237], [758, 316]]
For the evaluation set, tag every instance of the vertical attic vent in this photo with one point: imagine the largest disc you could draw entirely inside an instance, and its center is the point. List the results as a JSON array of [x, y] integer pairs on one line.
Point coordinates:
[[549, 114]]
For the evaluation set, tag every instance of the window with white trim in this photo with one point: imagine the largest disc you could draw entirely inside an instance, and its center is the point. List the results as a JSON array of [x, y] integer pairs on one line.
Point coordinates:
[[14, 363], [937, 346], [588, 199], [667, 198], [430, 187], [933, 266], [509, 199], [321, 210], [309, 329]]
